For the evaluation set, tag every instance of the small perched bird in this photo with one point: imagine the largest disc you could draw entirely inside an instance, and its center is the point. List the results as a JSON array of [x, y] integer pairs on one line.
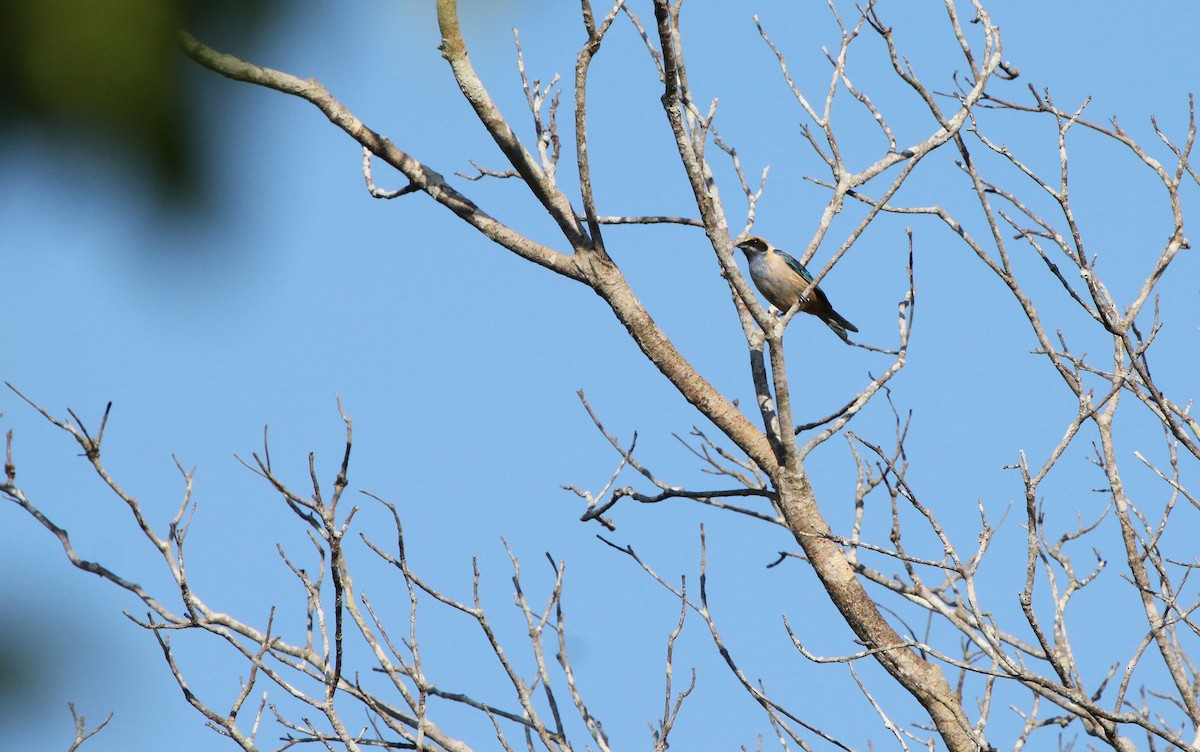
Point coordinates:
[[781, 279]]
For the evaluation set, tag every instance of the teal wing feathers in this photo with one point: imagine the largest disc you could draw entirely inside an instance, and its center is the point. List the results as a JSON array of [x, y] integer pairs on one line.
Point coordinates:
[[795, 265]]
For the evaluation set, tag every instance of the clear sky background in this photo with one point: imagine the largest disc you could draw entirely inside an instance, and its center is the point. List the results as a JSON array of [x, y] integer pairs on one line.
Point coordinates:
[[459, 363]]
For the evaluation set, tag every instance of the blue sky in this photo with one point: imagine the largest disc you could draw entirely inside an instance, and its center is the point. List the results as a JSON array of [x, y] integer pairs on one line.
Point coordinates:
[[459, 364]]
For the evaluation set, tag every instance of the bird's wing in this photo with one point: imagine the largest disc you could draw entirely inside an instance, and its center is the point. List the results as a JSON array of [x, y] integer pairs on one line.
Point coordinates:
[[795, 265]]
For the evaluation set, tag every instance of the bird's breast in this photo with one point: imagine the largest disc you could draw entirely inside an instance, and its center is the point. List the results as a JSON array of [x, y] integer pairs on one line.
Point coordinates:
[[776, 281]]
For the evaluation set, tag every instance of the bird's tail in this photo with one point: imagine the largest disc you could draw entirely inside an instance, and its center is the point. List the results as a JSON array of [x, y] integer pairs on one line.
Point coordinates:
[[839, 325]]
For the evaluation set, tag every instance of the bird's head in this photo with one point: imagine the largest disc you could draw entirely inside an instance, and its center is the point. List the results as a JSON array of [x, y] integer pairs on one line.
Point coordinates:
[[754, 246]]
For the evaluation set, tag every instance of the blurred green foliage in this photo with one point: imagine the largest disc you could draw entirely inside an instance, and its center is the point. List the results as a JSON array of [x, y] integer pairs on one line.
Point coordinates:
[[110, 67]]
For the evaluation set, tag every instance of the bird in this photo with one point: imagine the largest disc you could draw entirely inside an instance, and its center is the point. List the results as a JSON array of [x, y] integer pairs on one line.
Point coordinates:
[[782, 279]]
